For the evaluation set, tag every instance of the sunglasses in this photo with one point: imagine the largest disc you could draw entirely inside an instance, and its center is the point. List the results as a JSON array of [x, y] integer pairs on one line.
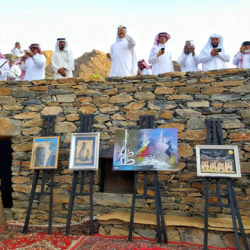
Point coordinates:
[[33, 48], [162, 36]]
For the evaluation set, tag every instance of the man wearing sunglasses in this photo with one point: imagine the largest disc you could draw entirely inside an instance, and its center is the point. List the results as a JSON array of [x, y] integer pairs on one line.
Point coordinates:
[[143, 68], [34, 63], [160, 56], [122, 55], [242, 58]]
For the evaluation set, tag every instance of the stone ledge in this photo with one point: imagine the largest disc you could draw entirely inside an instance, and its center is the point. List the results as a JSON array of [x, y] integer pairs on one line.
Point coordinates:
[[216, 224]]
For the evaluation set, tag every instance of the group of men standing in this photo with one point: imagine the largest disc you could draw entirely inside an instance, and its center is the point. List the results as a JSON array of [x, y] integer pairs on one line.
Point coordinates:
[[31, 64], [213, 56]]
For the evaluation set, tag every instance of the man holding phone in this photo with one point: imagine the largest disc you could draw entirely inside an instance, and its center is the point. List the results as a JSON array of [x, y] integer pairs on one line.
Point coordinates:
[[160, 56], [213, 55], [188, 60], [34, 63], [122, 55], [242, 58], [17, 51]]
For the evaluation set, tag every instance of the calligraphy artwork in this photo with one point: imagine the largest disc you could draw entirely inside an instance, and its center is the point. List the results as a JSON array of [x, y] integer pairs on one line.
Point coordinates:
[[45, 152], [84, 151], [146, 150], [218, 161]]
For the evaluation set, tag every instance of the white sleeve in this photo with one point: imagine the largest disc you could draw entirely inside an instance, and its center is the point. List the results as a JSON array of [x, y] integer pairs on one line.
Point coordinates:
[[53, 62], [13, 50], [70, 65], [224, 57], [183, 60], [196, 59], [5, 70], [205, 57], [237, 58], [152, 56], [23, 66], [39, 60], [131, 41], [111, 53], [21, 51]]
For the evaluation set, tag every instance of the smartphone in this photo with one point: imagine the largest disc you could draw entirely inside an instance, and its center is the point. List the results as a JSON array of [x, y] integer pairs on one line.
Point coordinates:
[[162, 50], [219, 50]]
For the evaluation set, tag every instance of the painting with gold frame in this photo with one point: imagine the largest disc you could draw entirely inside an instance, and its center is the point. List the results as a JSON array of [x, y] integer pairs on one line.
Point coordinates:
[[45, 152], [84, 151], [218, 161]]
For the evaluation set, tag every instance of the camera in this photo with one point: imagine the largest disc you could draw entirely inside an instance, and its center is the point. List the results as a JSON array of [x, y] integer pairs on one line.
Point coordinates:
[[162, 50], [219, 50], [190, 43]]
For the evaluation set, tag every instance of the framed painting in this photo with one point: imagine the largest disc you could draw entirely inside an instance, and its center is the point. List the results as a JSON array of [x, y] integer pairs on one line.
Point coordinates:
[[218, 161], [45, 152], [146, 150], [84, 151]]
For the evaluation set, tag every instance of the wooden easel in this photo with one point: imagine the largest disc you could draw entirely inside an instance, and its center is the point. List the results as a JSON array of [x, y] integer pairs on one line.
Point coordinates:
[[215, 126], [85, 127], [49, 120], [157, 197]]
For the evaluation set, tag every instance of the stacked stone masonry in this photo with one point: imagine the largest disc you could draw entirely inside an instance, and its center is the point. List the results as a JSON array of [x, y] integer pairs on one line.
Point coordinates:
[[182, 100]]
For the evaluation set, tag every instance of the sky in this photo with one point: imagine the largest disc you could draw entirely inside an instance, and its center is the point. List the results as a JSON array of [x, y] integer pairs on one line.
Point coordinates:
[[92, 24]]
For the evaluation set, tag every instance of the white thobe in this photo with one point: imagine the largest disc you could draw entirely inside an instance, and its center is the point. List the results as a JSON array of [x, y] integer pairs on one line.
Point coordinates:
[[5, 69], [34, 67], [242, 60], [163, 63], [146, 71], [63, 59], [214, 62], [17, 52], [123, 58], [15, 72], [188, 62]]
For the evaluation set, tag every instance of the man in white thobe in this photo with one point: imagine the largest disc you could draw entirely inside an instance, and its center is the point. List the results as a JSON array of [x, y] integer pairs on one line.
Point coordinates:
[[62, 60], [144, 68], [188, 59], [122, 55], [242, 58], [4, 69], [34, 63], [213, 55], [17, 51], [160, 55]]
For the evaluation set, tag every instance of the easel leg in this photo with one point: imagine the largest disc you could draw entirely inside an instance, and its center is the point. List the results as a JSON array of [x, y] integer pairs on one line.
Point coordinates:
[[51, 201], [132, 209], [32, 193], [91, 201], [231, 200], [243, 235], [72, 196], [157, 207], [162, 215], [206, 213]]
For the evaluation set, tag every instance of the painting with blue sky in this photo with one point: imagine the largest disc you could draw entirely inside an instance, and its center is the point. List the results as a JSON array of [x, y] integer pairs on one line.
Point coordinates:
[[45, 153], [146, 150]]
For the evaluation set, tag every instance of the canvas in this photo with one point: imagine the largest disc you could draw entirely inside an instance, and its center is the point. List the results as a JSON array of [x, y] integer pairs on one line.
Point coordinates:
[[218, 161], [84, 151], [146, 150], [45, 152]]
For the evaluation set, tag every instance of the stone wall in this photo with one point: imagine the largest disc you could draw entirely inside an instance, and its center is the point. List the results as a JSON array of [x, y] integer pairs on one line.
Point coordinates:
[[175, 99]]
